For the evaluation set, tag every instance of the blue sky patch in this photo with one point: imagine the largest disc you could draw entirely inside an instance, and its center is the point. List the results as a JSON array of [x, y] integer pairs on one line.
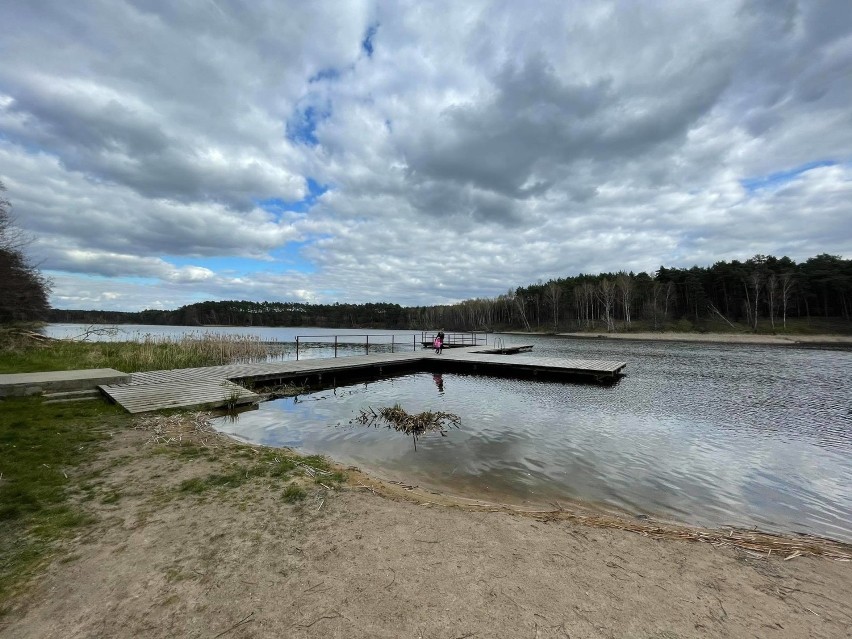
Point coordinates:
[[302, 128], [286, 258], [324, 74], [290, 257], [278, 206], [231, 265], [773, 180], [367, 42]]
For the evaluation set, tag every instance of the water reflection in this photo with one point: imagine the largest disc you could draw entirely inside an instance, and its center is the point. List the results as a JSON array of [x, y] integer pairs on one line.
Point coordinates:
[[707, 435], [438, 378]]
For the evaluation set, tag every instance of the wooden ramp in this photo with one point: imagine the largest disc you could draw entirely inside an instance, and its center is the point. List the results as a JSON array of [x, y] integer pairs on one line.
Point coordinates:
[[215, 387], [190, 393]]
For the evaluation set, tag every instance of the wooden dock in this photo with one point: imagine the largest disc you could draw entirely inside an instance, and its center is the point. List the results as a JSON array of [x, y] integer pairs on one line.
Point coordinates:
[[16, 384], [228, 386]]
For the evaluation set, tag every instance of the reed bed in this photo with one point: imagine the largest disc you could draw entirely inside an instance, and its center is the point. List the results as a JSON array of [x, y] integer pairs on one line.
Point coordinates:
[[187, 351], [25, 353]]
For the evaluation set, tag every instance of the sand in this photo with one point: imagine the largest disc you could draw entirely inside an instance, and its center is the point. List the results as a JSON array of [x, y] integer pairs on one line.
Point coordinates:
[[723, 338], [381, 560]]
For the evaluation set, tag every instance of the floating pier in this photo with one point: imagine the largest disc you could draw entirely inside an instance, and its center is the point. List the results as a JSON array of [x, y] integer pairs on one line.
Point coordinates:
[[221, 386], [230, 386]]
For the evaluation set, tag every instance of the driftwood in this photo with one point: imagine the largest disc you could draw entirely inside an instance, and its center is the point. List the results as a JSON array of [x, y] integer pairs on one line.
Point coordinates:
[[716, 310]]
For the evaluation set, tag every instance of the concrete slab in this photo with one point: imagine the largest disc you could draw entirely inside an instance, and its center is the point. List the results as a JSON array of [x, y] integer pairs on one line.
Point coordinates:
[[18, 384]]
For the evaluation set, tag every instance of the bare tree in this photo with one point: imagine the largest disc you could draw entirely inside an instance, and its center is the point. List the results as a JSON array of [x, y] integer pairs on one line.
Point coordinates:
[[584, 297], [625, 286], [772, 294], [788, 281], [755, 279], [656, 290], [521, 304], [11, 237], [667, 297], [606, 295], [23, 289], [554, 292]]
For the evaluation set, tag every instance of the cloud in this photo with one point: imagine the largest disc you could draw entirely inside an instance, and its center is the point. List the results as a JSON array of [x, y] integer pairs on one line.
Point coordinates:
[[417, 153]]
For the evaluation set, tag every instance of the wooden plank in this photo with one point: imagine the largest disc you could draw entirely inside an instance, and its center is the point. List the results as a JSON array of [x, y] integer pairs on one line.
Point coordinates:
[[187, 394], [210, 386]]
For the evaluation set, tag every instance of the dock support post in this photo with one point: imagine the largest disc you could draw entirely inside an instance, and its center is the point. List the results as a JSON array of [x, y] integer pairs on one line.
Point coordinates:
[[335, 345], [368, 345], [297, 348]]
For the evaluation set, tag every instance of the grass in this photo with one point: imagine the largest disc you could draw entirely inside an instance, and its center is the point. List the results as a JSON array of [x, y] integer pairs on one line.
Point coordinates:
[[272, 464], [48, 480], [21, 354], [47, 450], [294, 493], [42, 447]]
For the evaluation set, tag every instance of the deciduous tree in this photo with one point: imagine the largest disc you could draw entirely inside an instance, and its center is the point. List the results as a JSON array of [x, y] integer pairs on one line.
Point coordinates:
[[23, 289]]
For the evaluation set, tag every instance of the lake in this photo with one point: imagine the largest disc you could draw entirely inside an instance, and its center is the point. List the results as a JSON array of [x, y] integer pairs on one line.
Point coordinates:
[[708, 434]]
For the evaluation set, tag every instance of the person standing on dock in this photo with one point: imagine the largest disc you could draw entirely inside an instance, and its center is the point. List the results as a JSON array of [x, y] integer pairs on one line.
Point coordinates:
[[438, 344], [441, 337]]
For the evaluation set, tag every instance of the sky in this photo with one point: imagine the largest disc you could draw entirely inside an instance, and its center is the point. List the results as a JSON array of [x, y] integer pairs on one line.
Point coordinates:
[[161, 153]]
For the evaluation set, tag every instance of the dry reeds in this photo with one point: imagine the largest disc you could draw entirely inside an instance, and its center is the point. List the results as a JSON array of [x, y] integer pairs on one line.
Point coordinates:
[[164, 352], [27, 351], [182, 429], [186, 351], [758, 543], [415, 425]]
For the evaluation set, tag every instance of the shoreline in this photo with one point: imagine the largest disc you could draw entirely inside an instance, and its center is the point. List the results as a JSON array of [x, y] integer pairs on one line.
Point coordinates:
[[715, 338], [368, 558]]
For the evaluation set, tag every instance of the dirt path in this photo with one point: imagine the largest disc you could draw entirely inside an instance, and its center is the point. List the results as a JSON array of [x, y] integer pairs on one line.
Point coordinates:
[[240, 561]]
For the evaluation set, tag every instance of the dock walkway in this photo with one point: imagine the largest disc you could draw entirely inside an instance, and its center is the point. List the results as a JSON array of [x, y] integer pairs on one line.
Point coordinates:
[[213, 386], [228, 386]]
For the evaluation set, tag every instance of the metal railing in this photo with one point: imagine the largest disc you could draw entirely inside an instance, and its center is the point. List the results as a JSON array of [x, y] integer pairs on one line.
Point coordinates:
[[427, 338], [336, 341]]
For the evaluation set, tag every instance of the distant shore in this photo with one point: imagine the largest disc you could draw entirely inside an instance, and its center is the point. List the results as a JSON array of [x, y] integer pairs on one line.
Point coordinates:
[[720, 338]]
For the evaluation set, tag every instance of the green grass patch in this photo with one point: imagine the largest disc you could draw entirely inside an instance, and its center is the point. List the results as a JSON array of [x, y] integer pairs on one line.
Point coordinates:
[[42, 447], [268, 464], [282, 468], [293, 493]]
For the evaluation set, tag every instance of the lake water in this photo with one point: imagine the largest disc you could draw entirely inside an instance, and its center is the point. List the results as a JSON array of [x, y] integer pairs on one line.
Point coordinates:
[[707, 434]]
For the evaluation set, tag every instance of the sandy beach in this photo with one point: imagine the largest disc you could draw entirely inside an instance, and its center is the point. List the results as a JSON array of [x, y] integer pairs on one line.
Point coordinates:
[[721, 338], [373, 559]]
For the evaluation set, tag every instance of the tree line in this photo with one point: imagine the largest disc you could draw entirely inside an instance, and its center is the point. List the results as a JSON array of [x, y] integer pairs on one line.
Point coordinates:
[[245, 313], [761, 293]]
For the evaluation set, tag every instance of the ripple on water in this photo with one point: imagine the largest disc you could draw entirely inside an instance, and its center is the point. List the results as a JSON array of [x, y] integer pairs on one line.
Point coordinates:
[[707, 434]]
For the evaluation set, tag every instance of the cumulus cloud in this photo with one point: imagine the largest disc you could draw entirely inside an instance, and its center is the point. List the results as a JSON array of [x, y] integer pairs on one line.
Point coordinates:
[[417, 153]]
